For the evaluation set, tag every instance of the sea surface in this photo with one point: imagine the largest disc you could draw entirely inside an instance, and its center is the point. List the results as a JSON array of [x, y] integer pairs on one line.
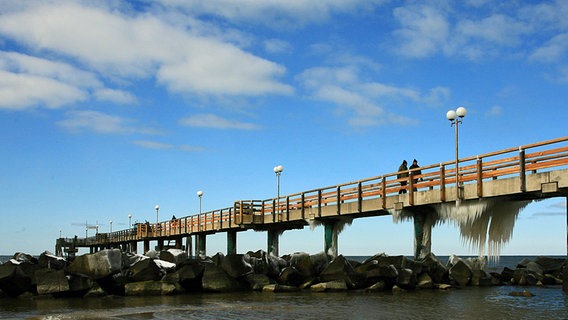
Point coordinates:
[[466, 303]]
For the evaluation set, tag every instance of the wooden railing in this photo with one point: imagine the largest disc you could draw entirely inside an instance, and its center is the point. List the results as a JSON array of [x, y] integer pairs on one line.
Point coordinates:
[[513, 162]]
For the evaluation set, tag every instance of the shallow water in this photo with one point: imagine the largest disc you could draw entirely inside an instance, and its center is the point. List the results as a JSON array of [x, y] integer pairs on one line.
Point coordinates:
[[465, 303]]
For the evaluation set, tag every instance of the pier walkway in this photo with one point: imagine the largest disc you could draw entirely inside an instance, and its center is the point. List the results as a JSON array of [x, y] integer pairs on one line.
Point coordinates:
[[528, 172]]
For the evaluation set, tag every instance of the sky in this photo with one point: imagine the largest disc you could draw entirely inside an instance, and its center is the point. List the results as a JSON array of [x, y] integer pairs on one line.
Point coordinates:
[[109, 108]]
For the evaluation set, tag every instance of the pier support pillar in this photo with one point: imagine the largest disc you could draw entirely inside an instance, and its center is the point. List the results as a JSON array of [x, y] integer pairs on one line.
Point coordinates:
[[273, 241], [160, 245], [565, 280], [134, 247], [331, 236], [200, 250], [422, 234], [146, 246], [189, 246], [231, 242]]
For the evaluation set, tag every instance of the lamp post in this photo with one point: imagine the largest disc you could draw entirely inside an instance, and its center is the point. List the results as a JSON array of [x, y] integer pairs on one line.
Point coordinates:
[[110, 222], [129, 220], [278, 171], [455, 118], [200, 195], [157, 207], [59, 233]]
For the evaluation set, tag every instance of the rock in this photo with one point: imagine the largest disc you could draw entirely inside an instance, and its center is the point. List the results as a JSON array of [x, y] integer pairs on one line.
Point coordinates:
[[114, 283], [165, 266], [79, 285], [215, 279], [280, 288], [302, 262], [320, 261], [424, 281], [460, 272], [97, 265], [434, 267], [258, 281], [13, 280], [51, 281], [535, 269], [95, 291], [524, 293], [340, 269], [444, 286], [144, 270], [174, 256], [406, 279], [290, 276], [190, 275], [481, 278], [550, 265], [337, 285], [149, 288], [377, 286], [50, 261], [396, 289], [24, 257], [235, 265], [507, 274]]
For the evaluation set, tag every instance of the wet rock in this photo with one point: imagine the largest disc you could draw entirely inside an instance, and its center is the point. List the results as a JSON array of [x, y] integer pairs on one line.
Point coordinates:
[[340, 269], [424, 281], [377, 286], [302, 262], [337, 285], [235, 265], [406, 279], [320, 261], [290, 276], [460, 272], [280, 288], [149, 288], [79, 285], [215, 279], [524, 293], [258, 281], [190, 275], [550, 265], [97, 265], [13, 280], [434, 267], [51, 281], [24, 257]]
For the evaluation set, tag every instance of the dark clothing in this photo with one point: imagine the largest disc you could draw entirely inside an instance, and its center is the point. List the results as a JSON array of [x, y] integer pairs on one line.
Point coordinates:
[[415, 172], [403, 173]]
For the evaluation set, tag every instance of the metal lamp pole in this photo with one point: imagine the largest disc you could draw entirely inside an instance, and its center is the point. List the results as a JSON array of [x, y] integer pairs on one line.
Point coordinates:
[[157, 207], [200, 195], [455, 118], [129, 221], [278, 170]]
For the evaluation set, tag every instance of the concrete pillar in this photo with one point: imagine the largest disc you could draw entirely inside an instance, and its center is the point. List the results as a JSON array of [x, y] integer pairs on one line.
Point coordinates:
[[201, 245], [330, 237], [231, 242], [178, 243], [189, 246], [146, 246], [422, 234], [134, 247], [273, 241], [160, 246]]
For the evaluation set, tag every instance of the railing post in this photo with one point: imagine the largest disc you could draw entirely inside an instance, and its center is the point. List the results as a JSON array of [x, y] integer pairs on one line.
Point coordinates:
[[359, 197], [287, 208], [479, 177], [442, 183], [384, 191], [411, 189], [303, 205], [319, 203], [522, 173], [338, 195]]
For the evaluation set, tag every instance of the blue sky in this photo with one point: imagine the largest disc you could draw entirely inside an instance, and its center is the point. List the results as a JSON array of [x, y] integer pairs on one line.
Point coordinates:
[[108, 108]]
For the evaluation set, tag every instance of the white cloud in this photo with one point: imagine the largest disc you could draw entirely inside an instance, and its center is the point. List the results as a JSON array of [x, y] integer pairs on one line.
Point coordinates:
[[276, 46], [141, 45], [153, 144], [98, 122], [113, 95], [553, 51], [495, 111], [365, 103], [216, 122]]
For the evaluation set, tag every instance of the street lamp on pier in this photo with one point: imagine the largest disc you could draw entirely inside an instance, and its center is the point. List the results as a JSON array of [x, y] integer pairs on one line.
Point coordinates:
[[59, 233], [278, 171], [110, 222], [200, 195], [455, 118], [157, 207], [129, 220]]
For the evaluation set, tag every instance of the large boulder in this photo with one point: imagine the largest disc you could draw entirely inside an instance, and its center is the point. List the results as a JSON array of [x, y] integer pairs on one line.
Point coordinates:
[[50, 281], [340, 269], [97, 265], [236, 265], [406, 279], [434, 267], [302, 262], [320, 261], [215, 279], [13, 280], [24, 257], [290, 276], [144, 270], [51, 261], [460, 271], [175, 256], [149, 288], [190, 275], [550, 265]]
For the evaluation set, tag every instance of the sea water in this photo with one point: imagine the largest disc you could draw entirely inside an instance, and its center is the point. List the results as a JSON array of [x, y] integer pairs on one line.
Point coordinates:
[[496, 302]]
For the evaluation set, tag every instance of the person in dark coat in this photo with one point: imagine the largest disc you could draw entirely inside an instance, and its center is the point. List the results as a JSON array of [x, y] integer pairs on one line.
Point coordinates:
[[403, 173], [415, 172]]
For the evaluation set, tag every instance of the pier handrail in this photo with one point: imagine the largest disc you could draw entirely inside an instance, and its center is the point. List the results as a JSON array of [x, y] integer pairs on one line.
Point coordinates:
[[475, 169]]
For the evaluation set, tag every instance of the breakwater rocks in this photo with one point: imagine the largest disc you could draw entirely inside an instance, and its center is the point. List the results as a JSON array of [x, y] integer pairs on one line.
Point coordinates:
[[113, 272]]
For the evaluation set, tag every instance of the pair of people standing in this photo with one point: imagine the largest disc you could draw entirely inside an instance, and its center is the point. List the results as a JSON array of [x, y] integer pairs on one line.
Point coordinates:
[[403, 173]]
